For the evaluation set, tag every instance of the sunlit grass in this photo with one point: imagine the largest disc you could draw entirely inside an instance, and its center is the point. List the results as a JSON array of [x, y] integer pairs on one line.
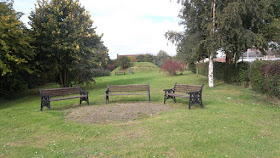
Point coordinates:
[[234, 123]]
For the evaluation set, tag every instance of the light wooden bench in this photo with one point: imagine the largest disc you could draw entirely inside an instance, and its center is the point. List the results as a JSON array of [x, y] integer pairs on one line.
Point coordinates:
[[194, 92], [139, 89], [47, 95], [120, 72]]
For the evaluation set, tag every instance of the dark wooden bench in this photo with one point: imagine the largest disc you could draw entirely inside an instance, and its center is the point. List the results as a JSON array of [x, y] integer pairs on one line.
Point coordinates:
[[139, 89], [194, 92], [120, 72], [48, 95]]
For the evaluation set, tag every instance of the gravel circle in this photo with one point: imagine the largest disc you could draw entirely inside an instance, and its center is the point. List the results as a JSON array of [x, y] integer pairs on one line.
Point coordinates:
[[115, 113]]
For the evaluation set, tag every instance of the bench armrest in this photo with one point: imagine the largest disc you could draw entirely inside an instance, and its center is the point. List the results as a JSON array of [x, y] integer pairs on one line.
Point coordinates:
[[168, 91], [84, 93], [194, 94]]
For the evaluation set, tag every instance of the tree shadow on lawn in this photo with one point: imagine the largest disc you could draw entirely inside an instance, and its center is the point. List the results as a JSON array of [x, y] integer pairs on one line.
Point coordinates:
[[66, 106]]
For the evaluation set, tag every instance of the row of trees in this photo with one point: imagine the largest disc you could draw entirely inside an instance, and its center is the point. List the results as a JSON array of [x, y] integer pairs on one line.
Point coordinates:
[[232, 26], [61, 46], [159, 59]]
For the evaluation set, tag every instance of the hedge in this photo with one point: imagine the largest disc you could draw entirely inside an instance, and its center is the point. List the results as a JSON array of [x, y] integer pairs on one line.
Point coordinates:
[[262, 76], [265, 77]]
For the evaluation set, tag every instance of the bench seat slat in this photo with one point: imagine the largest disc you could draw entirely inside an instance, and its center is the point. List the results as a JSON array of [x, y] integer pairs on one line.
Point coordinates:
[[128, 94], [138, 89], [60, 92], [55, 99], [178, 95], [127, 90]]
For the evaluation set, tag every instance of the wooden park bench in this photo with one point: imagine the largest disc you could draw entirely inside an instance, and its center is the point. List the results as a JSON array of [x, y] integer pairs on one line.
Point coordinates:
[[48, 95], [139, 89], [194, 92], [120, 72]]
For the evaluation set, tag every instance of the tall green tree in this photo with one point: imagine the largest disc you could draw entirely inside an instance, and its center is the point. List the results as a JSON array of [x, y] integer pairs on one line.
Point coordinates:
[[237, 26], [161, 57], [15, 50], [66, 42]]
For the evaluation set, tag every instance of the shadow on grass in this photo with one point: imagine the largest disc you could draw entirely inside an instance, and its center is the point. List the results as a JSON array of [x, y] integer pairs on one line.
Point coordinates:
[[66, 107]]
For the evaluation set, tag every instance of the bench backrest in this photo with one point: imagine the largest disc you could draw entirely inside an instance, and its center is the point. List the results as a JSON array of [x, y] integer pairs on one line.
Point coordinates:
[[187, 88], [60, 91], [128, 88]]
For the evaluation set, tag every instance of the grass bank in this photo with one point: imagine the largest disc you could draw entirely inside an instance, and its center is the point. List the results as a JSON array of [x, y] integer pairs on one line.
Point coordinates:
[[234, 123]]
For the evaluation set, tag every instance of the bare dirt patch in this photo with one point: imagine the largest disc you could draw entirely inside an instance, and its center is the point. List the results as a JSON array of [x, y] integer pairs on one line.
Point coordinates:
[[115, 112]]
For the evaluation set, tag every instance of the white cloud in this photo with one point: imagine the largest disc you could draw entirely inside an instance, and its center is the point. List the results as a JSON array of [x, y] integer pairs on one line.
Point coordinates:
[[131, 26]]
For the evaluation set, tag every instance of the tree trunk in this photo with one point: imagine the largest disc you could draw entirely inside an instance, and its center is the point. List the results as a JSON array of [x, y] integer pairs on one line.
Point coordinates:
[[60, 78], [211, 66], [65, 78], [196, 69]]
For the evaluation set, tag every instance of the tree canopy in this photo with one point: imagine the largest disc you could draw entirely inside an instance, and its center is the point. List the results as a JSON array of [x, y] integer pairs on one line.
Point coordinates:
[[239, 25], [15, 51], [66, 39]]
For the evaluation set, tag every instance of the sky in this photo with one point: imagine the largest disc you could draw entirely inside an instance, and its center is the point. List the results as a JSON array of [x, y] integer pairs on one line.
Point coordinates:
[[128, 26]]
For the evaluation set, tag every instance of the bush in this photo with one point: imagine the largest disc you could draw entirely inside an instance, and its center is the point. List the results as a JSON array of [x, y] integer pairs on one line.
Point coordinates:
[[230, 73], [171, 67], [265, 77], [132, 59], [140, 58], [145, 58], [160, 58], [124, 62], [192, 67]]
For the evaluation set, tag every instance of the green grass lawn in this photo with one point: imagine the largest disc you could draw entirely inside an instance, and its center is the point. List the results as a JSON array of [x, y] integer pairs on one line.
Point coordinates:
[[235, 122]]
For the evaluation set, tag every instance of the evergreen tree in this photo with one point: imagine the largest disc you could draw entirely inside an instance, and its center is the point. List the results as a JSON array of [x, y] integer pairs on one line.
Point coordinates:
[[66, 42]]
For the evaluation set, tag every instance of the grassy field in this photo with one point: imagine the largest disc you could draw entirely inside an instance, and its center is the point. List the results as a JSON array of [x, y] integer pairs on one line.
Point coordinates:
[[235, 122]]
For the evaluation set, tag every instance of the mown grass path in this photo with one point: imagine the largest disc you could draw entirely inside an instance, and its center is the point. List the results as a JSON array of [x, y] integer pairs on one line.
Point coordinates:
[[234, 123]]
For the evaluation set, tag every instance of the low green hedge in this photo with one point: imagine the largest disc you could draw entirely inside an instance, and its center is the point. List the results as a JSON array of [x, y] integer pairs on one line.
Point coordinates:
[[263, 76], [229, 73]]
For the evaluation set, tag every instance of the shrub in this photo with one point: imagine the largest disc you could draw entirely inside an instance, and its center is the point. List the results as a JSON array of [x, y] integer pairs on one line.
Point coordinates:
[[192, 67], [265, 77], [124, 62], [182, 67], [140, 58], [160, 58], [171, 67], [111, 67], [132, 59], [230, 73]]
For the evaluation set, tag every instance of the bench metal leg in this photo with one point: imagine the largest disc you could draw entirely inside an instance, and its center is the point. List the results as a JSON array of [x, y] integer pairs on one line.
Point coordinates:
[[84, 99], [195, 98], [45, 101], [106, 98]]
